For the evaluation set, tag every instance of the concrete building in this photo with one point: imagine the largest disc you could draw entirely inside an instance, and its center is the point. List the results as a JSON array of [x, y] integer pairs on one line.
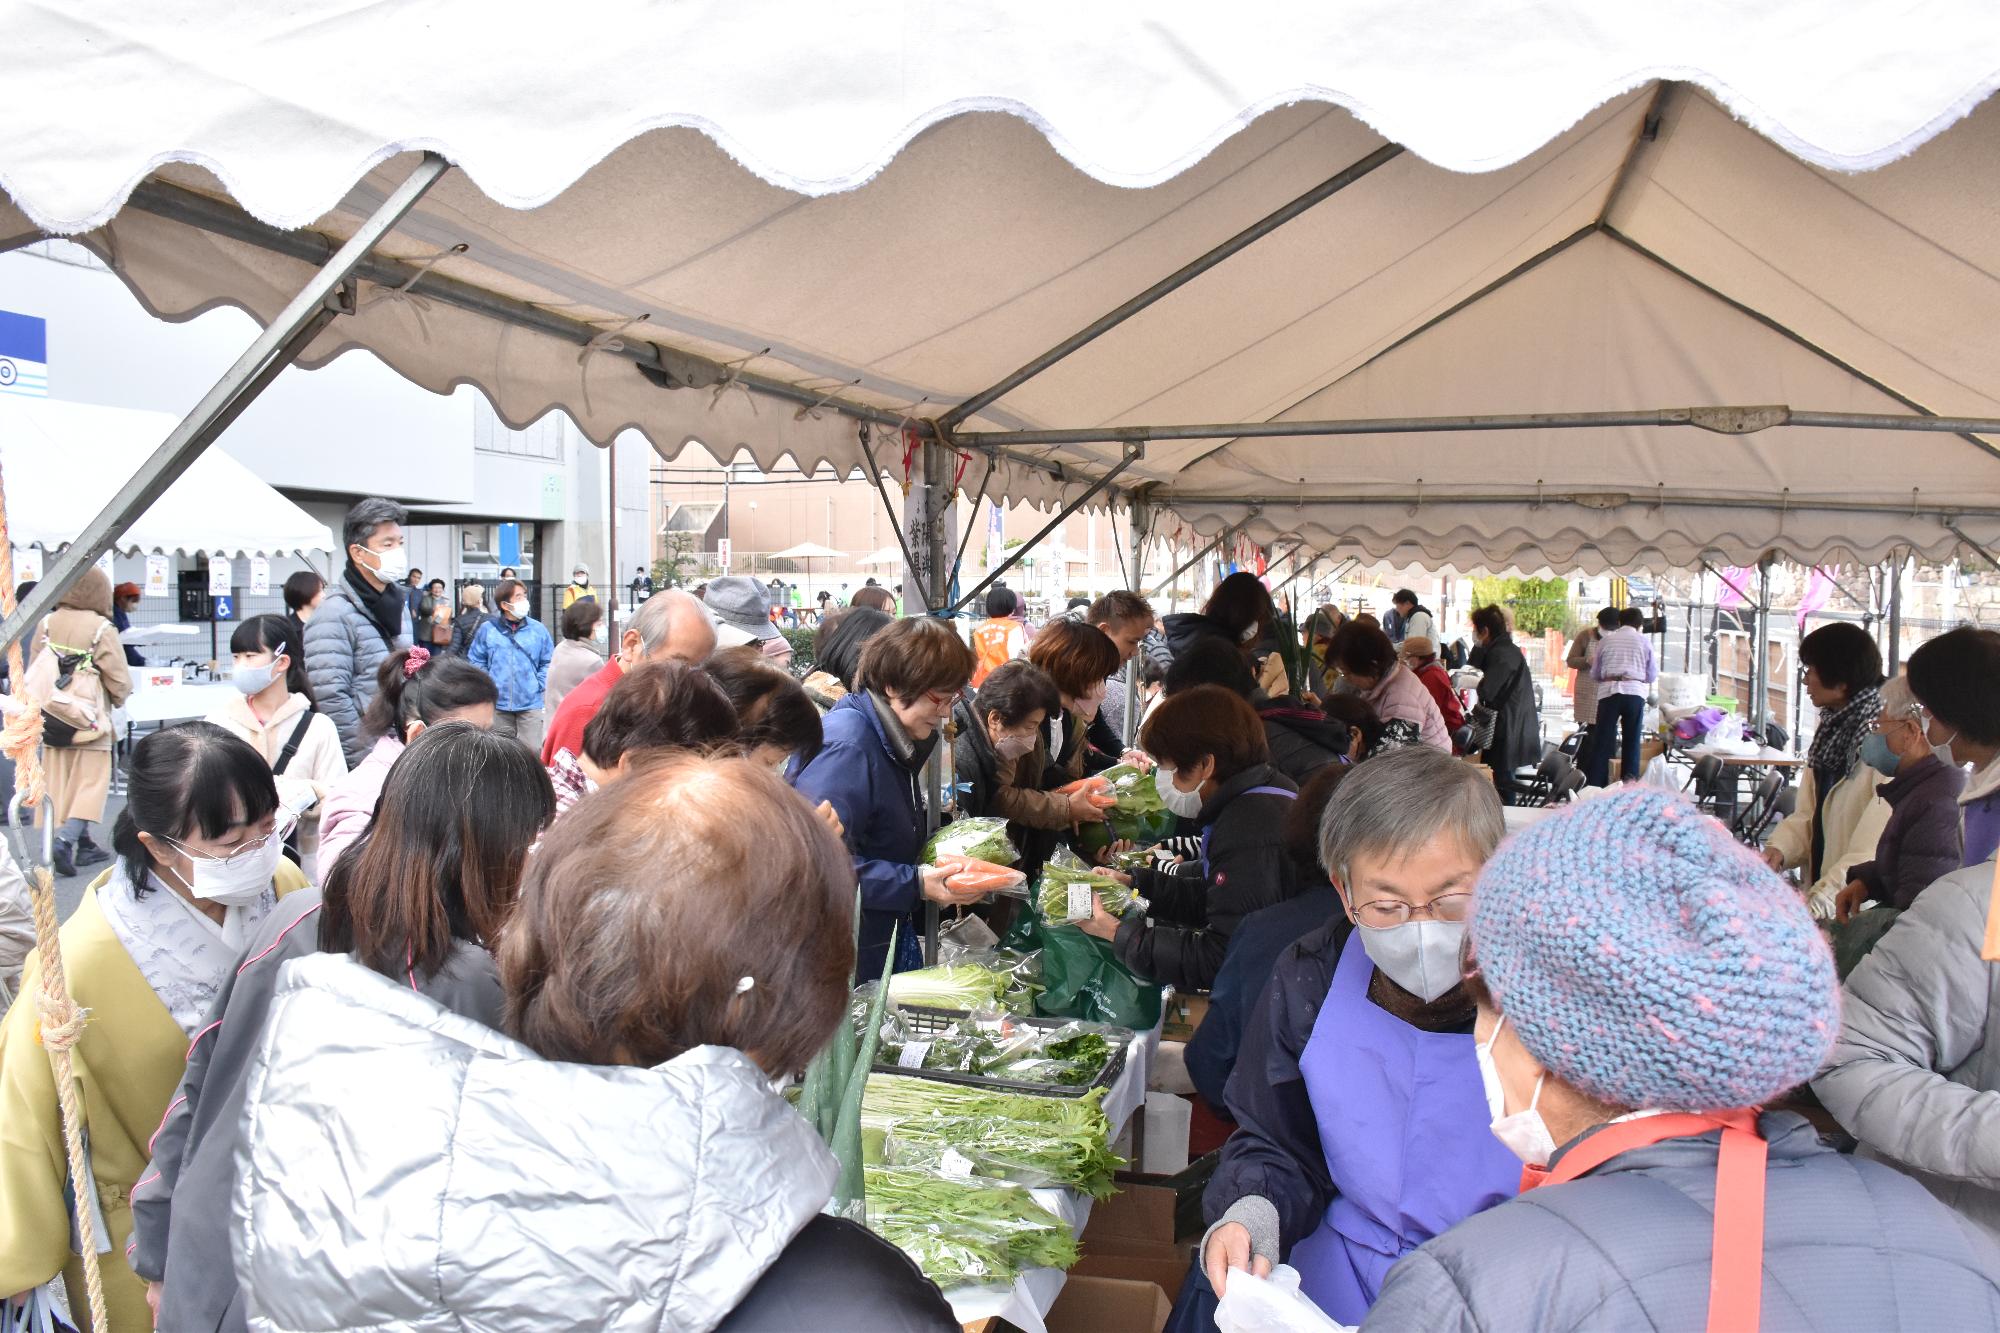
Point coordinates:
[[481, 495]]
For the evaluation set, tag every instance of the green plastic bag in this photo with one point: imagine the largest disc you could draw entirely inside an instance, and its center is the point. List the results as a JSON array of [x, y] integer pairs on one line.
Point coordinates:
[[1082, 978]]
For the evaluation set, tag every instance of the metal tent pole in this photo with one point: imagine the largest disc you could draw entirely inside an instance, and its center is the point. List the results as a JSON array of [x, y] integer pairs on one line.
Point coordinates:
[[1187, 273], [1895, 614], [1760, 662], [273, 349], [1136, 514], [1132, 454], [927, 514]]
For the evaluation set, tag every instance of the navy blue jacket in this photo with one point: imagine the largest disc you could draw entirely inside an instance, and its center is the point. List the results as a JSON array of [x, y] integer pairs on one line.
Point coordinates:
[[1246, 969], [876, 798]]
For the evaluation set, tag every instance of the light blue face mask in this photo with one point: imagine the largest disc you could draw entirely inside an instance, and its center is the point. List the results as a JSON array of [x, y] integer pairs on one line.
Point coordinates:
[[1875, 753]]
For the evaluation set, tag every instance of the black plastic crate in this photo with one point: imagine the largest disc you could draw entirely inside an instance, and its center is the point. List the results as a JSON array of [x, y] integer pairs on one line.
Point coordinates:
[[923, 1019]]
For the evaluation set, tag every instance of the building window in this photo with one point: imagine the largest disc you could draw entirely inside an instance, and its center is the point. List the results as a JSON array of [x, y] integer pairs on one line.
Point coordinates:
[[543, 438]]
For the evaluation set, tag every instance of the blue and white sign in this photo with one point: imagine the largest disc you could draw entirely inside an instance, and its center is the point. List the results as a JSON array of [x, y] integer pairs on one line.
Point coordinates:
[[24, 354]]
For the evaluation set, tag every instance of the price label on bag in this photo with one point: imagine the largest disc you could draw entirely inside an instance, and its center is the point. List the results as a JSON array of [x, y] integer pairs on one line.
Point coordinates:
[[1080, 903], [955, 1165], [913, 1055]]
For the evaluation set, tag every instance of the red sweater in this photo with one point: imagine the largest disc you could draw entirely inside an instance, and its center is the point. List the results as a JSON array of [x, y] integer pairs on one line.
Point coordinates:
[[578, 707], [1438, 681]]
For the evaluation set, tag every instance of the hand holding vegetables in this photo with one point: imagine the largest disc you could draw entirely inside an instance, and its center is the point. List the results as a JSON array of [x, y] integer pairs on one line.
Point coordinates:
[[1101, 923], [935, 885]]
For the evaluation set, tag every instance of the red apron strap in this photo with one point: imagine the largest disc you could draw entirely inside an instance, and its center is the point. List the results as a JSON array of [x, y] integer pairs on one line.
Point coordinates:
[[1736, 1257]]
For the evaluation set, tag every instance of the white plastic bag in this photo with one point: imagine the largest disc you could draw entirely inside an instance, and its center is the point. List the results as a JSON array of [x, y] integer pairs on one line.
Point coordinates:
[[1270, 1305]]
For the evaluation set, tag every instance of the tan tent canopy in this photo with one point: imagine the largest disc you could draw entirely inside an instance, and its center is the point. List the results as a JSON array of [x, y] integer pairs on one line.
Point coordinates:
[[1557, 236]]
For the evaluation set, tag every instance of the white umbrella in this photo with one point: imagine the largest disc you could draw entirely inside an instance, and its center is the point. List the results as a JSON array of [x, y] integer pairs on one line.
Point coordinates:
[[886, 558], [808, 552]]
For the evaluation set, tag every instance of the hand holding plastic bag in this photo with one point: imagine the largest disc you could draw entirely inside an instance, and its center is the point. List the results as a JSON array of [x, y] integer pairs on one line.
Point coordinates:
[[968, 873], [1271, 1304]]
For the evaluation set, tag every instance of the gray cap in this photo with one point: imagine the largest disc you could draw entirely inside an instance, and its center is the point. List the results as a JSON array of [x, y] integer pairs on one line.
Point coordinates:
[[741, 601]]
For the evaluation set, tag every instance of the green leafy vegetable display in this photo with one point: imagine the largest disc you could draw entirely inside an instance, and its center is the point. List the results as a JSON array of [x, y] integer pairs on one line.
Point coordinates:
[[999, 1047], [1140, 816], [981, 839], [1004, 1136], [964, 1232], [950, 986], [1053, 893]]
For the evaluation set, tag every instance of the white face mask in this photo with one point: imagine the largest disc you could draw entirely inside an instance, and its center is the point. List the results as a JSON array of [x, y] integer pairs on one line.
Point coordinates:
[[1420, 956], [1943, 752], [600, 634], [240, 880], [1185, 804], [518, 609], [390, 566], [1249, 634], [254, 680], [1524, 1133]]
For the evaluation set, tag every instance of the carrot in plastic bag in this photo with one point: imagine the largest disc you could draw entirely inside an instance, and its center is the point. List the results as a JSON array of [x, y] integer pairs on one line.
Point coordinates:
[[966, 873], [1100, 791]]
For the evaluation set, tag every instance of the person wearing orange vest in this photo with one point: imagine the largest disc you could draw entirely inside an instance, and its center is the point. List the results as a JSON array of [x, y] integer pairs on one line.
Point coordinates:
[[1001, 637], [1645, 986]]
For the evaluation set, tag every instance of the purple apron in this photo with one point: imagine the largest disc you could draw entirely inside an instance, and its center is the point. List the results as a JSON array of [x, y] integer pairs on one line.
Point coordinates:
[[1406, 1132]]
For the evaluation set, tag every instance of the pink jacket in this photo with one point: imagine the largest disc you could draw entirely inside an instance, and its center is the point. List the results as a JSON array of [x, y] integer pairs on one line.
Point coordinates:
[[350, 803], [1401, 696]]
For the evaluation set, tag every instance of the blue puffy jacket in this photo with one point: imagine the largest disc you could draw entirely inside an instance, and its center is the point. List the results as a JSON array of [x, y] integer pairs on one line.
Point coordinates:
[[876, 798], [1848, 1244], [517, 657]]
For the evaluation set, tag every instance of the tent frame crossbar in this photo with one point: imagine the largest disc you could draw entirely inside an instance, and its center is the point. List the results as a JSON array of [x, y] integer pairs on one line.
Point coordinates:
[[1173, 282], [1132, 455], [328, 293], [1944, 513]]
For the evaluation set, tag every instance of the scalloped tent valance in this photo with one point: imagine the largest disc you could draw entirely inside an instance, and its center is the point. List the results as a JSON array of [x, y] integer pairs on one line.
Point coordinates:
[[727, 225]]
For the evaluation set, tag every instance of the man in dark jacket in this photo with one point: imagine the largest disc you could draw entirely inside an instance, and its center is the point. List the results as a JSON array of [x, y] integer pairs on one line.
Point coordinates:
[[362, 619], [1920, 844]]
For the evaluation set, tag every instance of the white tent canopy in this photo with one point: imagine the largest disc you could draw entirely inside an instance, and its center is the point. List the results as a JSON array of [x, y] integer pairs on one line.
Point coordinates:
[[62, 461], [900, 210]]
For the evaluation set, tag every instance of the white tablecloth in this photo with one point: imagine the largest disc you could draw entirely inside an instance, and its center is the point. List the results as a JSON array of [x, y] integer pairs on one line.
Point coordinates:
[[1025, 1302], [172, 703]]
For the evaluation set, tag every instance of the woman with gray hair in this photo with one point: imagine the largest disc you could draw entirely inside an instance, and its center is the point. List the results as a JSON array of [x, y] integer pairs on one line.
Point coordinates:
[[1363, 1118]]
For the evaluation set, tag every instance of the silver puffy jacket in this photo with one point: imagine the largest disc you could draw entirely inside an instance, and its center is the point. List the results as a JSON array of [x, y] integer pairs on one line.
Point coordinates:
[[403, 1167]]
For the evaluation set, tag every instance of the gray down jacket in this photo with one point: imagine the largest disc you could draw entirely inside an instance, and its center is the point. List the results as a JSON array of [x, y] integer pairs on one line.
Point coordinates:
[[344, 650], [1848, 1244], [403, 1167], [1916, 1073]]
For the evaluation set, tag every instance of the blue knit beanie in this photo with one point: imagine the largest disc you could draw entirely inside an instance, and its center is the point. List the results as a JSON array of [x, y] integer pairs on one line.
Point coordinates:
[[1649, 960]]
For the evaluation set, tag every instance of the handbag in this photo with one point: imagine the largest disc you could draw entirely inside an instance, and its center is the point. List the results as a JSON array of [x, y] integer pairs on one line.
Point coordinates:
[[1483, 722], [65, 682]]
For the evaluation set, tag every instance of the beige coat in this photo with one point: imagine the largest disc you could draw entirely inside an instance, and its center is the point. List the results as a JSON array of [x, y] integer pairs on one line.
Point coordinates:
[[80, 777], [1855, 817], [318, 764], [1582, 652]]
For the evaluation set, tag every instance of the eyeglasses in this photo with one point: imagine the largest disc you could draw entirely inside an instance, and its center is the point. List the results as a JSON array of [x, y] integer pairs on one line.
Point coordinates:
[[243, 851], [1388, 913], [940, 699]]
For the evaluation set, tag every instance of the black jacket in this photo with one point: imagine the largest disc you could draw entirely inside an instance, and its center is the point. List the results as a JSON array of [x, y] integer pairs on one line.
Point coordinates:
[[1276, 1152], [1303, 740], [1247, 968], [975, 767], [1184, 627], [1508, 686], [835, 1276], [1921, 841], [1182, 941]]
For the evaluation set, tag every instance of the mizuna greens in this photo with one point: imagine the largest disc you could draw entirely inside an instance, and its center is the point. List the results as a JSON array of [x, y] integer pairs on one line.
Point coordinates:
[[1052, 896], [1005, 1136], [965, 1231]]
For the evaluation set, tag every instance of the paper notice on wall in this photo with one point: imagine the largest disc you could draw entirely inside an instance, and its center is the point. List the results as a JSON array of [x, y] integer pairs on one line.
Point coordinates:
[[218, 576], [260, 576], [156, 576], [27, 564]]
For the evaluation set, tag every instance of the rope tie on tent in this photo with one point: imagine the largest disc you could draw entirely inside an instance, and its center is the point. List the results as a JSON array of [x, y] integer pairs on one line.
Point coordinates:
[[732, 377], [1914, 491], [607, 341], [401, 293], [812, 409], [1414, 509], [62, 1022], [1784, 507]]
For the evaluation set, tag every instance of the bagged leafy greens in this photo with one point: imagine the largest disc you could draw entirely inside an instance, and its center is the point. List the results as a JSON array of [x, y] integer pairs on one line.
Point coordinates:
[[1027, 1139], [980, 839], [965, 1231], [1063, 894]]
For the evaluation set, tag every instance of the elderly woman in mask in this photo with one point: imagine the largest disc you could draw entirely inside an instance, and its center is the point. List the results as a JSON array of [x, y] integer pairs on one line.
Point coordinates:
[[1364, 1123]]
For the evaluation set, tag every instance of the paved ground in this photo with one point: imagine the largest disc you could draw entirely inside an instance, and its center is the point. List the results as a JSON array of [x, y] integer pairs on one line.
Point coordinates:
[[70, 891]]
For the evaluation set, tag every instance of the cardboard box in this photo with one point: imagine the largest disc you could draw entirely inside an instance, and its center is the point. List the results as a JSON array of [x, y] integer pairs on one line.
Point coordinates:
[[1167, 1266], [1109, 1305], [1651, 748], [1183, 1016], [1157, 1209]]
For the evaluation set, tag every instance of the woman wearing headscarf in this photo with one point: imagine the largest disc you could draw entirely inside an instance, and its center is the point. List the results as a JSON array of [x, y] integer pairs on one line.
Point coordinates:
[[79, 775], [1363, 1124], [837, 644], [420, 900], [1644, 988], [671, 960], [1839, 818]]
